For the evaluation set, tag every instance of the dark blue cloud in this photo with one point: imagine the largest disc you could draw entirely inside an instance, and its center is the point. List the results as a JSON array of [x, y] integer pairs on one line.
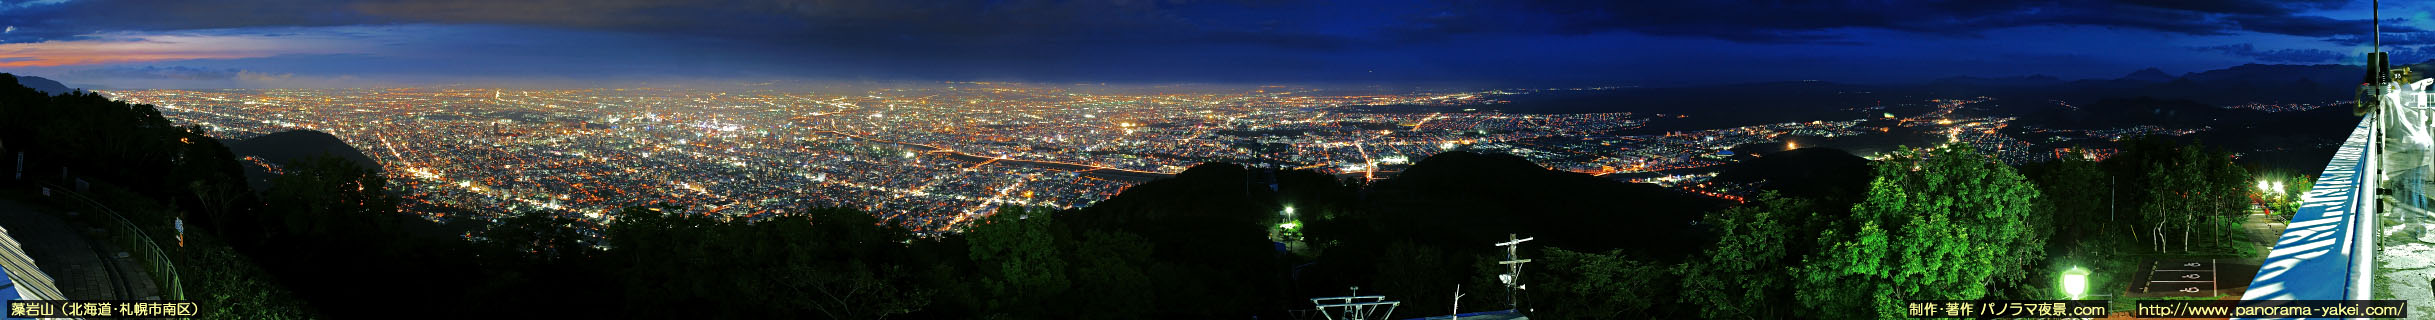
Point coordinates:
[[1245, 40], [2241, 6], [2316, 26], [1817, 21]]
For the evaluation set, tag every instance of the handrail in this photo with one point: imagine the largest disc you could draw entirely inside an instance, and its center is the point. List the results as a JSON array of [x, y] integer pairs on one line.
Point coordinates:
[[163, 270], [2318, 255], [2363, 229]]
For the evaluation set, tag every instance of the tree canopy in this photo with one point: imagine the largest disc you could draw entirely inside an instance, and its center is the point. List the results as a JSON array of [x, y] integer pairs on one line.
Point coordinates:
[[1940, 224]]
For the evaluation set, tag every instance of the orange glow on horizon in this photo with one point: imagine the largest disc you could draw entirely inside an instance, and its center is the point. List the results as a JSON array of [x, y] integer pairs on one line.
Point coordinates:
[[125, 48]]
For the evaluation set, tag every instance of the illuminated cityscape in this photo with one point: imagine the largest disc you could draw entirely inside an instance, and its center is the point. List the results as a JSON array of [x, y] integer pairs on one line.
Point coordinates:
[[929, 158], [1361, 159], [934, 158]]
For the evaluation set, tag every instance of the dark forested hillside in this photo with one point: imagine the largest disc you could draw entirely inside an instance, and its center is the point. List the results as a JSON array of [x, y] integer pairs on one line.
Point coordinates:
[[1469, 198], [293, 145], [1806, 172]]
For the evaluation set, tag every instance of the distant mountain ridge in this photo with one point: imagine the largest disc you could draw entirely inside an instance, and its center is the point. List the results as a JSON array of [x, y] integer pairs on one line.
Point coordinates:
[[2247, 83], [46, 86], [2150, 74], [2028, 80], [1758, 103]]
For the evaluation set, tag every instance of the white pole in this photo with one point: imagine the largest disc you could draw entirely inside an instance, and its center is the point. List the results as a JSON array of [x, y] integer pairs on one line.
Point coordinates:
[[1458, 302]]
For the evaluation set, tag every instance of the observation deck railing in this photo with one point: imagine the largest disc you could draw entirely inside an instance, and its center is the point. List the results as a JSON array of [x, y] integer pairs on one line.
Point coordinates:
[[159, 264], [2328, 249]]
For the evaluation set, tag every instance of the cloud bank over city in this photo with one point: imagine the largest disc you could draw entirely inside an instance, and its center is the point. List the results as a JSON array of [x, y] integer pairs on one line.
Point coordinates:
[[382, 42]]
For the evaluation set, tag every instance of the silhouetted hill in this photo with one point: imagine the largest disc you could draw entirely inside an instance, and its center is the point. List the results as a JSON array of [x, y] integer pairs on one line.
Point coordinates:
[[2028, 80], [2279, 73], [1806, 172], [2294, 141], [282, 147], [1410, 234], [1208, 227], [1707, 107], [1214, 203], [2148, 75], [1465, 198], [1733, 105], [46, 86], [2250, 83], [2246, 84], [2119, 113]]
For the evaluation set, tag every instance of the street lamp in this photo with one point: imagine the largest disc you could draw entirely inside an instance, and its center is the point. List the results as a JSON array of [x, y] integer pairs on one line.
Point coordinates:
[[2075, 282]]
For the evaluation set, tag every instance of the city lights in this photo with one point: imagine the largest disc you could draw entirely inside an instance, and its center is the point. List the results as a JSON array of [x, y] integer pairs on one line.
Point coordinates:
[[934, 157]]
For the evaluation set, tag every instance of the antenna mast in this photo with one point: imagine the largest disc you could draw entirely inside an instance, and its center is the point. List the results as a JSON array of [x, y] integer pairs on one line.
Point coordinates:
[[1513, 260], [2379, 69]]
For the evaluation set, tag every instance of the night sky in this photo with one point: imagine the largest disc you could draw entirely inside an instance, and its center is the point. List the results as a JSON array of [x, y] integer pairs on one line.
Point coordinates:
[[347, 43]]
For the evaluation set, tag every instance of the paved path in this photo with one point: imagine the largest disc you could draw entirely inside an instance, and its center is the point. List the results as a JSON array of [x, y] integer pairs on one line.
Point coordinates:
[[2405, 257], [2264, 229], [82, 267]]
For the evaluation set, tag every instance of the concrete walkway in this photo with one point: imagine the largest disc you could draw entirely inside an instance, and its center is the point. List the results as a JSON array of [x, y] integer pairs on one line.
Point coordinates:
[[2405, 238], [82, 266], [2263, 229]]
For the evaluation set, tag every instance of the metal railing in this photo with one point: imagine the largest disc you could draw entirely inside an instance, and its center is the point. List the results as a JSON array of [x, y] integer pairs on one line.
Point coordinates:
[[158, 263], [2320, 254]]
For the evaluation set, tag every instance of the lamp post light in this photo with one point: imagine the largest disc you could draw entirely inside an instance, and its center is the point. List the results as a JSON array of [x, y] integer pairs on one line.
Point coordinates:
[[2075, 282]]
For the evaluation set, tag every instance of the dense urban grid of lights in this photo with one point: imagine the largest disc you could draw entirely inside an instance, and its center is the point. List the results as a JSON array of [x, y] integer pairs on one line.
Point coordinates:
[[934, 158]]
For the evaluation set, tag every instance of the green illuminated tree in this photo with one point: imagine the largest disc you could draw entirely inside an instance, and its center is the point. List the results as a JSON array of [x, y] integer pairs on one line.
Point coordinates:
[[1942, 224], [1848, 278], [1744, 276]]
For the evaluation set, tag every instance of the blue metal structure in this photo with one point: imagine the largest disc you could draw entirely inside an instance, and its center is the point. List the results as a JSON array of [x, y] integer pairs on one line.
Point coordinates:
[[1483, 315], [19, 279], [2324, 254]]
